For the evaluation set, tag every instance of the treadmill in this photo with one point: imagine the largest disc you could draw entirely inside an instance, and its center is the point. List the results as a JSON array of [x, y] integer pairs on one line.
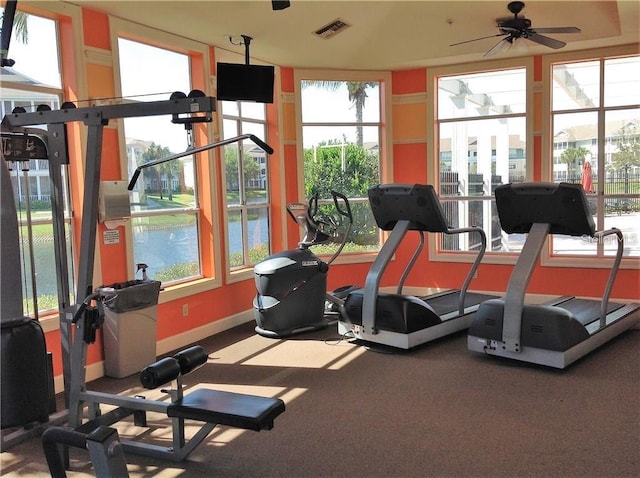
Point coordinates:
[[405, 321], [558, 332]]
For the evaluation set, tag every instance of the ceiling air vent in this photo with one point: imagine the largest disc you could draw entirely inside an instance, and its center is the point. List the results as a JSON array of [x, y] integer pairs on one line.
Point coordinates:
[[332, 28]]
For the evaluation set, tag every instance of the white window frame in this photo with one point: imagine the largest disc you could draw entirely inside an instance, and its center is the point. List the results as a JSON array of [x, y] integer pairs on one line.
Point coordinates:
[[55, 10], [124, 29], [234, 273], [546, 256], [386, 137], [433, 168]]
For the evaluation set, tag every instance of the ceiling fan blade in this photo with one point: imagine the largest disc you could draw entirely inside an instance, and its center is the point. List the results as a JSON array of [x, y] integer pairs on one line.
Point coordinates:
[[476, 39], [546, 41], [494, 49], [557, 30]]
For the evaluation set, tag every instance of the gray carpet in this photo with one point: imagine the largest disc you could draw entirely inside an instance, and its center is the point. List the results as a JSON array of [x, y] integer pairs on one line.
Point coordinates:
[[438, 410]]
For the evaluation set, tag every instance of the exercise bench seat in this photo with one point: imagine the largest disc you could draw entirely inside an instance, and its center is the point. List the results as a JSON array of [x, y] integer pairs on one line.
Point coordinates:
[[228, 408]]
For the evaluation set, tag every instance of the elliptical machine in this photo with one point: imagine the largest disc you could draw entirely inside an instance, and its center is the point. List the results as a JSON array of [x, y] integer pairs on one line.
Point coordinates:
[[292, 285]]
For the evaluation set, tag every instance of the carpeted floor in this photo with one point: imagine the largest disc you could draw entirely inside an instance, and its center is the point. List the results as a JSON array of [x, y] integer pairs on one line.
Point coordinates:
[[438, 410]]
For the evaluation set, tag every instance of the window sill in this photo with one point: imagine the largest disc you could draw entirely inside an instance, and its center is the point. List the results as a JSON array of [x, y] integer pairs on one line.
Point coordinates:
[[180, 291], [510, 258]]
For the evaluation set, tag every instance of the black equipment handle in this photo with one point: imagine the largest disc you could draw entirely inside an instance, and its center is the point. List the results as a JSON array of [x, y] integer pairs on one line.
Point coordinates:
[[336, 195], [268, 149], [313, 206]]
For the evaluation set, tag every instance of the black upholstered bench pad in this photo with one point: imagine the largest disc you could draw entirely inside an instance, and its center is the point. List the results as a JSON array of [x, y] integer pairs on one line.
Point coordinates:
[[227, 408]]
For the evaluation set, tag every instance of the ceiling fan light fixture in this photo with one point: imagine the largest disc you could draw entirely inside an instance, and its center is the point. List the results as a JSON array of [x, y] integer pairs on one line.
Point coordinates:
[[515, 45]]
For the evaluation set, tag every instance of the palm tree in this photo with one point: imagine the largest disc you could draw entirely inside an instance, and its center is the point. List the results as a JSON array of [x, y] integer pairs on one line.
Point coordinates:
[[357, 95], [18, 25], [571, 156]]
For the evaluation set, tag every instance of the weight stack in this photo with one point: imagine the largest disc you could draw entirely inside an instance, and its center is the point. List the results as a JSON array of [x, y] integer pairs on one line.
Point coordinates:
[[25, 391]]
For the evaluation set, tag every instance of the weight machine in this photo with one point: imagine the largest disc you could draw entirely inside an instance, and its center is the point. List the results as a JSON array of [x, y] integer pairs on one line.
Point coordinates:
[[79, 322]]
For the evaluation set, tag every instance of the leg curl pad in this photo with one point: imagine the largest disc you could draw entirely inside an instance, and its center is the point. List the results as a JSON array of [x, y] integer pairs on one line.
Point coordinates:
[[169, 368], [191, 359], [159, 373]]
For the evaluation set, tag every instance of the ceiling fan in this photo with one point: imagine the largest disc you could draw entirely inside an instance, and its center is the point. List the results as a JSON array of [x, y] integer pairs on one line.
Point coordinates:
[[520, 27]]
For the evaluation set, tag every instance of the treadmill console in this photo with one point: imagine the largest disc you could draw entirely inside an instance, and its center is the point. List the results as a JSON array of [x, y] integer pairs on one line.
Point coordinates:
[[562, 205], [416, 203]]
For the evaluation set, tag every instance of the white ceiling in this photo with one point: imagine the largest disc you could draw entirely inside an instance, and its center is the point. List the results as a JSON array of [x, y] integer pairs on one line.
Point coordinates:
[[384, 35]]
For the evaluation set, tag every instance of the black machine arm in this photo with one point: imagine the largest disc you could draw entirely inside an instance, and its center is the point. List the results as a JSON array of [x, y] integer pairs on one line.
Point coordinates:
[[307, 217], [338, 199], [304, 216], [268, 149]]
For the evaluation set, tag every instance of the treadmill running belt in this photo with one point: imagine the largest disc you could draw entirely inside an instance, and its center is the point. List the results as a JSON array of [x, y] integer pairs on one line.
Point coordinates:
[[586, 310], [448, 302]]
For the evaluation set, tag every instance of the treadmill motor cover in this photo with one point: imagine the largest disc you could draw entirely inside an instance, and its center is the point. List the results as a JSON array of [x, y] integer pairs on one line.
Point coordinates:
[[395, 313], [543, 326]]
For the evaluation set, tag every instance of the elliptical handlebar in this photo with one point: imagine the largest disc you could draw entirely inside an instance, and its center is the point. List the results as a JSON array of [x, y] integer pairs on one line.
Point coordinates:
[[346, 213], [305, 217], [336, 195]]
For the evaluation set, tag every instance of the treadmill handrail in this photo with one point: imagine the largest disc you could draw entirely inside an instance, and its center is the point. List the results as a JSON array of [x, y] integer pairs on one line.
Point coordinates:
[[372, 280], [517, 286], [476, 263], [614, 270], [411, 263]]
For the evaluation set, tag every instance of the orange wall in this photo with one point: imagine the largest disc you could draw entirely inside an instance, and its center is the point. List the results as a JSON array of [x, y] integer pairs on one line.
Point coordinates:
[[411, 155]]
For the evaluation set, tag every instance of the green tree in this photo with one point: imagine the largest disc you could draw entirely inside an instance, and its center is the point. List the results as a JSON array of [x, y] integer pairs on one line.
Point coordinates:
[[169, 169], [628, 146], [350, 170], [628, 154], [232, 172], [21, 27], [19, 30], [250, 168], [573, 157]]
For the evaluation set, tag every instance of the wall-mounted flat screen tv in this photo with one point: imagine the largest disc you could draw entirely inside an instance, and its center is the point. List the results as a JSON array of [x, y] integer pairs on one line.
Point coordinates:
[[237, 81]]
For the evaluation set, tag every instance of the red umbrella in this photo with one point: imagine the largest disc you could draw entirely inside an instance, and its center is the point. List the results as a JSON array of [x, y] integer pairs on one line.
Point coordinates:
[[587, 177]]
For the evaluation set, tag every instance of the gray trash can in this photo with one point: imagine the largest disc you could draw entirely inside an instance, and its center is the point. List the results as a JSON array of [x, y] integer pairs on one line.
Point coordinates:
[[129, 329]]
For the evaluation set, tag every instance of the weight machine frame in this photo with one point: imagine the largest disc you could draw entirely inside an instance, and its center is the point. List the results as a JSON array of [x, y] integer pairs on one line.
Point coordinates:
[[198, 108]]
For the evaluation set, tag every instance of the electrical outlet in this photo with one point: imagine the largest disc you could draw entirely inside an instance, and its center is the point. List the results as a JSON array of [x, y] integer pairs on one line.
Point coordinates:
[[185, 310]]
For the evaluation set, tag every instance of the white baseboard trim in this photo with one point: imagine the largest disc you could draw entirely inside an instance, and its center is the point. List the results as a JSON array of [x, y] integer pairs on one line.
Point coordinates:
[[96, 370]]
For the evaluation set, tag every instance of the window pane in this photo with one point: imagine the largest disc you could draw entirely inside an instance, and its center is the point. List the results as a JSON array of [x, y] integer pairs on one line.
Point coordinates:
[[258, 234], [34, 48], [622, 77], [579, 139], [477, 155], [255, 167], [622, 180], [576, 85], [44, 262], [334, 101], [229, 107], [574, 143], [252, 110], [481, 144], [341, 153], [235, 238], [481, 213], [482, 94], [143, 71], [168, 244], [247, 184]]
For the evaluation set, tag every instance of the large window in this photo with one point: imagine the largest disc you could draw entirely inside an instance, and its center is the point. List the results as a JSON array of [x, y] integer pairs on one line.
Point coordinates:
[[246, 169], [482, 142], [596, 142], [164, 204], [35, 80], [342, 134]]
